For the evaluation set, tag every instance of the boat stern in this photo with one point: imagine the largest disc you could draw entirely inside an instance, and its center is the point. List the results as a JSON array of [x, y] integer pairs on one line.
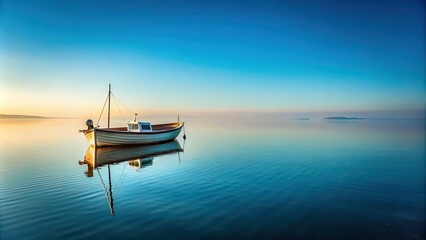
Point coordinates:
[[90, 136]]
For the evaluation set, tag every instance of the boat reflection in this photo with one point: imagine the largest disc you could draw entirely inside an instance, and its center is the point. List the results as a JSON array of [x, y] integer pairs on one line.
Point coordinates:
[[137, 157], [96, 157]]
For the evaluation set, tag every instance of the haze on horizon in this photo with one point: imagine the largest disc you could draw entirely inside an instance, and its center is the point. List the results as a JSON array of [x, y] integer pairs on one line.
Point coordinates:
[[301, 57]]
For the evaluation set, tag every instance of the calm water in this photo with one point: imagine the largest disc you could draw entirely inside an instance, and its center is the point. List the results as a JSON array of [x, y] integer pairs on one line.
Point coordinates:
[[237, 178]]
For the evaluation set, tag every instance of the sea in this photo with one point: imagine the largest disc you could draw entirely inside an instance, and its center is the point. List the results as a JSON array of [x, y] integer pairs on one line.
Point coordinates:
[[231, 178]]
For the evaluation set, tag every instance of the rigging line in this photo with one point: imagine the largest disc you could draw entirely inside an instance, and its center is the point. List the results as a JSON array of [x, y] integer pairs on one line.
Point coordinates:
[[113, 97], [102, 111], [123, 104], [106, 192]]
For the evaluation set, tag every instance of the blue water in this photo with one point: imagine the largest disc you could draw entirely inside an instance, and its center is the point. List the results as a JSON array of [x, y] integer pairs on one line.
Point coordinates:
[[236, 178]]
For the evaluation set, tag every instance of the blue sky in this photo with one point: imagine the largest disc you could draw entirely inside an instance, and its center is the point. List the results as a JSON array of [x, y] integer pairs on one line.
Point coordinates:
[[57, 57]]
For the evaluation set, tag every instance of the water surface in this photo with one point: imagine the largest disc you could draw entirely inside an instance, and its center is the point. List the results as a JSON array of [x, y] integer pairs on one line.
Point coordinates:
[[248, 178]]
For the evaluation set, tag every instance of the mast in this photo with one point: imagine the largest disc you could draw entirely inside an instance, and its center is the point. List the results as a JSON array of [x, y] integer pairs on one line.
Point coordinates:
[[109, 104]]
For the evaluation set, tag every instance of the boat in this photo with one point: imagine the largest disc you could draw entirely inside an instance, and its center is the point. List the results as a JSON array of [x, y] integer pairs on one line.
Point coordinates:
[[135, 133]]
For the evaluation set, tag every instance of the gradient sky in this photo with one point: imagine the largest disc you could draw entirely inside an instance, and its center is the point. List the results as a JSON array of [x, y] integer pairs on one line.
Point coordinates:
[[57, 57]]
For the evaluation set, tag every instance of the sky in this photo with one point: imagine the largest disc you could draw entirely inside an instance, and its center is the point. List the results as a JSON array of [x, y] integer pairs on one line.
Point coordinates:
[[58, 57]]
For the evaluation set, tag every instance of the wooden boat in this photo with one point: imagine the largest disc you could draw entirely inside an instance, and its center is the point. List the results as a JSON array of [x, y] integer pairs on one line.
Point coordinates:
[[136, 133]]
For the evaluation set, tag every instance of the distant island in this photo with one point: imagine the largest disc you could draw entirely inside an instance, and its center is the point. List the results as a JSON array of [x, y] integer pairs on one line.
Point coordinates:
[[6, 116], [302, 118], [343, 118]]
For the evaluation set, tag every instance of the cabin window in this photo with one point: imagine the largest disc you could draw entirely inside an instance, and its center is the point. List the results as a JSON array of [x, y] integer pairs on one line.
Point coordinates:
[[146, 127], [133, 126]]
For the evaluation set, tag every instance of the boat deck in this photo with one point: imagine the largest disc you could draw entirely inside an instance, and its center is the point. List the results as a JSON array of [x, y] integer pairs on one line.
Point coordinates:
[[155, 127]]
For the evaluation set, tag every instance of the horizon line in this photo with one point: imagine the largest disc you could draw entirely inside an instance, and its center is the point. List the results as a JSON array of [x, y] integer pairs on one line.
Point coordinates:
[[228, 113]]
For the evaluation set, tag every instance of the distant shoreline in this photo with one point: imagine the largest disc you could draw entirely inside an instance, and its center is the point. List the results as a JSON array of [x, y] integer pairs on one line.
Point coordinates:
[[302, 118], [343, 118], [7, 116]]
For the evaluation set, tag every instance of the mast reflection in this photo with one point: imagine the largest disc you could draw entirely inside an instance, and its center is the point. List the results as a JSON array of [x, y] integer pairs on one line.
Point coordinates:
[[137, 156]]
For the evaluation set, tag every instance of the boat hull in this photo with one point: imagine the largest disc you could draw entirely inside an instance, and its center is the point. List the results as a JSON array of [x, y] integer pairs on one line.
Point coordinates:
[[104, 137]]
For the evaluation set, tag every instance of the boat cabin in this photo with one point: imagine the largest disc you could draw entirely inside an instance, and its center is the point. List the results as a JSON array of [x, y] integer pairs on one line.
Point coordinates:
[[139, 127]]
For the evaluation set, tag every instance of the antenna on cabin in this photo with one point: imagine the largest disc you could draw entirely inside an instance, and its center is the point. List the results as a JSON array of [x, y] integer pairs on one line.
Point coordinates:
[[134, 118]]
